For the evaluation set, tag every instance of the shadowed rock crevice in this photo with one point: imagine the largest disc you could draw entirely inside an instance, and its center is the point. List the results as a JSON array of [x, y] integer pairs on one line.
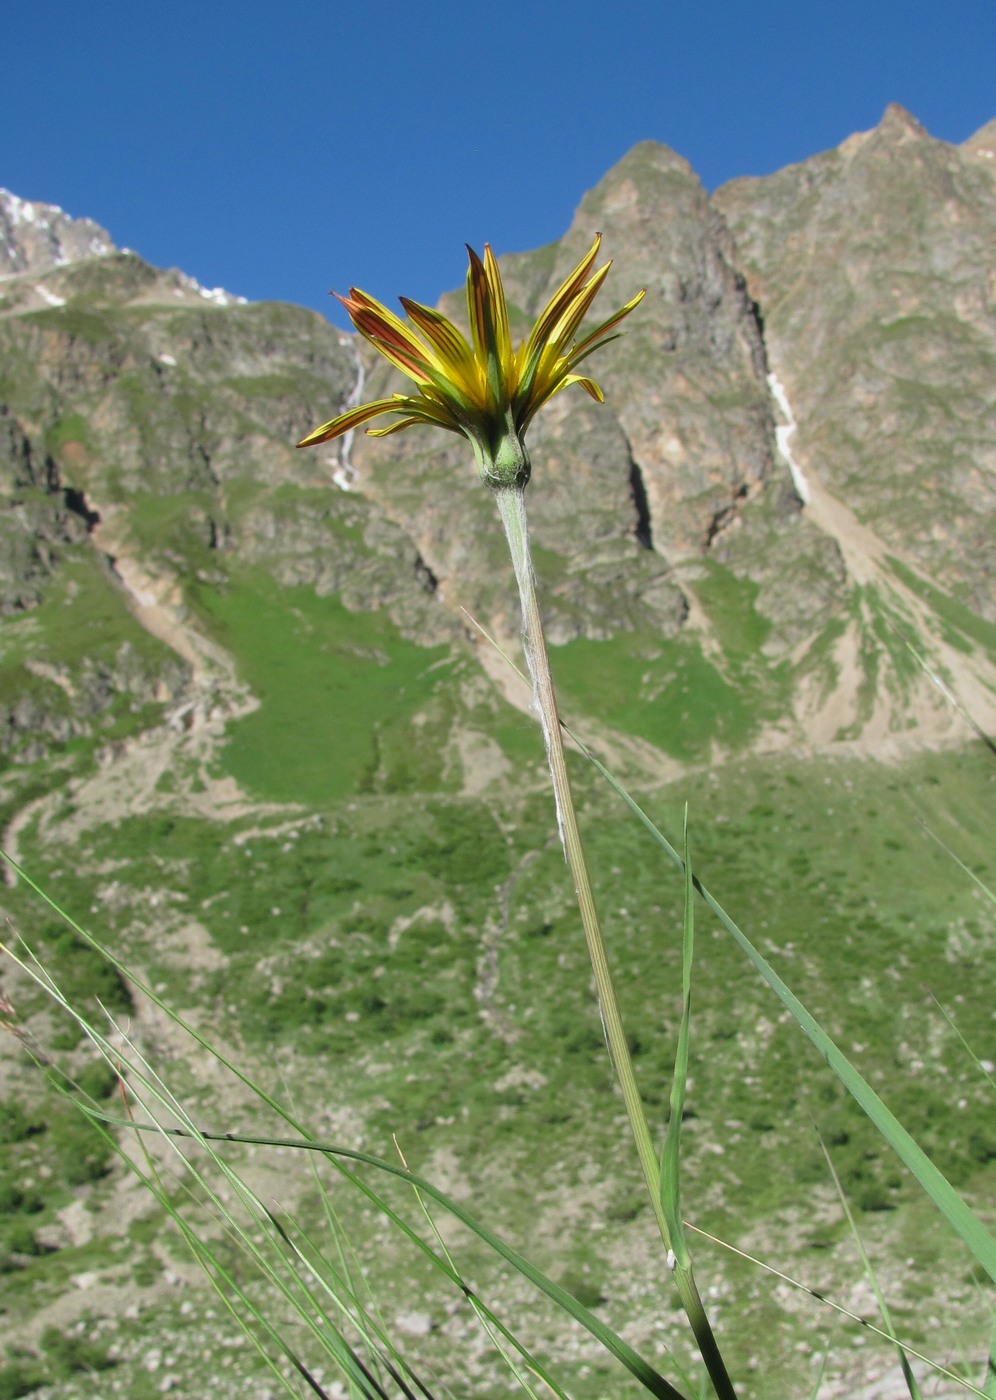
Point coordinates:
[[424, 576], [219, 534], [723, 517], [638, 494], [76, 503], [757, 317]]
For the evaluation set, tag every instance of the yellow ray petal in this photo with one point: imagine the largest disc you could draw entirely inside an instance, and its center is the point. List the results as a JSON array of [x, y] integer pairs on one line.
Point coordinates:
[[454, 352], [395, 342], [488, 316], [563, 296], [503, 336], [403, 423], [552, 386], [575, 310], [352, 418], [588, 344]]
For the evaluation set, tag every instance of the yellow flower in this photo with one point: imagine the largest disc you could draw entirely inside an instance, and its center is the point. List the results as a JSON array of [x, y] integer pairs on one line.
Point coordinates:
[[485, 391]]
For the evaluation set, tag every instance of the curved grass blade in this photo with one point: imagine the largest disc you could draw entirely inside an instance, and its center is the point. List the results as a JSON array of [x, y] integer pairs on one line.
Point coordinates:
[[979, 1065], [493, 1334], [651, 1380], [980, 884], [955, 1210], [948, 693]]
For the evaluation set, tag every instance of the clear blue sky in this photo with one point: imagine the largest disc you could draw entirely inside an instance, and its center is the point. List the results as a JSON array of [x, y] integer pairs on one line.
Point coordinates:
[[280, 149]]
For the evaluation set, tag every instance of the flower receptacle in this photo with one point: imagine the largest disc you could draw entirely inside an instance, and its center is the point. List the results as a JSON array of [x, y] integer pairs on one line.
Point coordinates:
[[505, 465]]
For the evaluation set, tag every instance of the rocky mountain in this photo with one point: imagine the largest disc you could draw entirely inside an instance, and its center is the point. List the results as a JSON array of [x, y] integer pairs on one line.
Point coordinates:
[[248, 726], [39, 237], [874, 266], [147, 420]]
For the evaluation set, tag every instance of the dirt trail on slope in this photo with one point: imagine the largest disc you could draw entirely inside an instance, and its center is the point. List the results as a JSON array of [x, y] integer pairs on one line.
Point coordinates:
[[183, 748]]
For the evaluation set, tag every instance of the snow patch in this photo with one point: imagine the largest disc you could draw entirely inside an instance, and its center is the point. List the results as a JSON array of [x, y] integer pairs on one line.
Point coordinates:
[[50, 297], [216, 295], [783, 434], [21, 212], [345, 473], [167, 360]]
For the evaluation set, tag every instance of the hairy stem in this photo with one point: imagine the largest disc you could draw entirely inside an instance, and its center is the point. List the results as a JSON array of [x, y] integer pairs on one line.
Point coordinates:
[[512, 508]]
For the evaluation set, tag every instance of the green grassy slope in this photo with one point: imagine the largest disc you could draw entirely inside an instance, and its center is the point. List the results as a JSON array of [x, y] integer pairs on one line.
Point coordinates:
[[355, 944]]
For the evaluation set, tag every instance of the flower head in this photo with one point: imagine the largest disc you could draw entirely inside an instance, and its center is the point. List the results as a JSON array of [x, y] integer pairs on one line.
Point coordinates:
[[483, 388]]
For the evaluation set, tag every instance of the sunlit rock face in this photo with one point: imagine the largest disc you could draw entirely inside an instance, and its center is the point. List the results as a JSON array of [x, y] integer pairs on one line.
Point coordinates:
[[874, 266], [38, 237]]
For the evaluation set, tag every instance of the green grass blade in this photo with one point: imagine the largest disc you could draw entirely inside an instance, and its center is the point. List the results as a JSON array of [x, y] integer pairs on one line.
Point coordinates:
[[948, 694], [990, 1381], [980, 884], [965, 1045], [883, 1307], [671, 1154], [294, 1290], [494, 1336], [380, 1350], [827, 1302], [354, 1283], [818, 1382], [956, 1211], [642, 1370]]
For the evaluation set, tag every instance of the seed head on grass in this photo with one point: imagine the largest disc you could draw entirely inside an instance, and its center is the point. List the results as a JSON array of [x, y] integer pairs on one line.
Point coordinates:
[[483, 388]]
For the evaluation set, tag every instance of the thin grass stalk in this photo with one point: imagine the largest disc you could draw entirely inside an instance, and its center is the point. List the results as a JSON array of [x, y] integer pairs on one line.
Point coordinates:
[[986, 1074], [494, 1336], [670, 1173], [649, 1378], [332, 1151], [826, 1301], [511, 503], [965, 870], [883, 1307], [377, 1344]]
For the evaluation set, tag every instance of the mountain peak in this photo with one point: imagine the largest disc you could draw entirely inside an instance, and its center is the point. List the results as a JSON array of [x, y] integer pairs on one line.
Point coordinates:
[[983, 142], [899, 123], [34, 238]]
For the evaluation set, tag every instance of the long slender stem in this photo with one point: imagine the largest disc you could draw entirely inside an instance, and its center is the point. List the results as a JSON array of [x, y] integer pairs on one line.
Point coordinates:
[[512, 508]]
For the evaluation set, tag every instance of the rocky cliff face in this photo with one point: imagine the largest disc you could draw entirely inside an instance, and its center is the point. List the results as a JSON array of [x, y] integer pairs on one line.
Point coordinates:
[[874, 267], [34, 238], [146, 422]]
